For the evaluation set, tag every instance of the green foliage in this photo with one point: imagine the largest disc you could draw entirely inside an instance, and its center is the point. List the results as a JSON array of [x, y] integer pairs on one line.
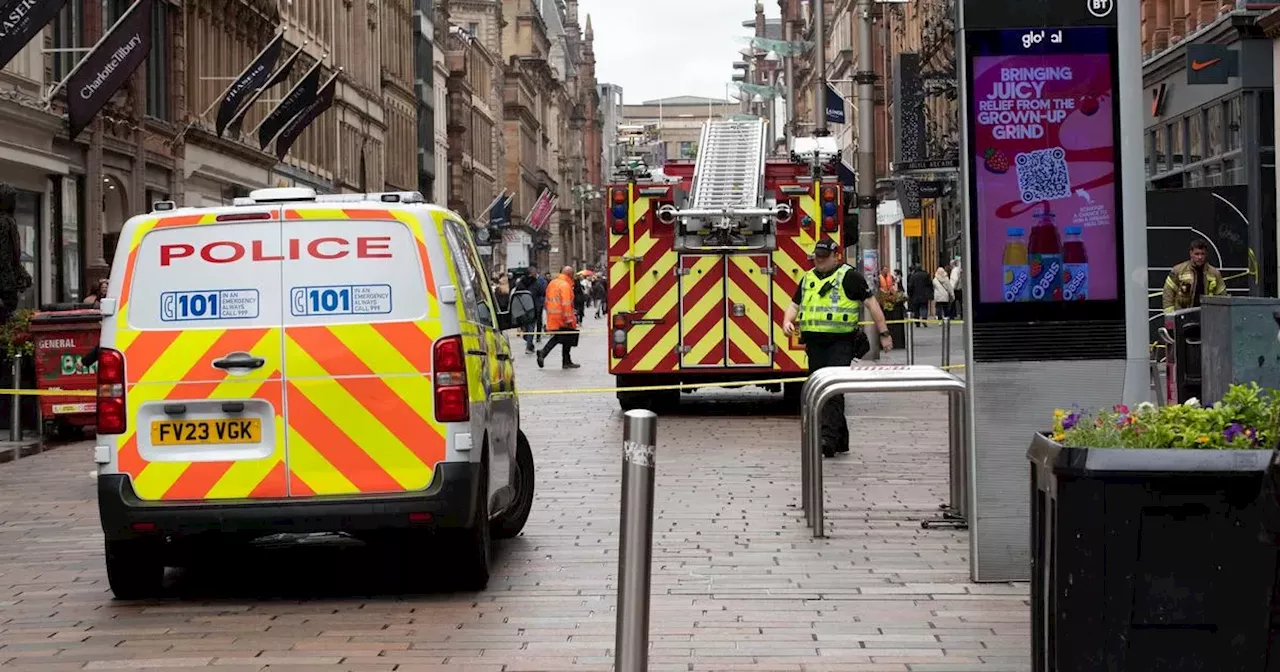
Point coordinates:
[[1248, 417], [16, 334]]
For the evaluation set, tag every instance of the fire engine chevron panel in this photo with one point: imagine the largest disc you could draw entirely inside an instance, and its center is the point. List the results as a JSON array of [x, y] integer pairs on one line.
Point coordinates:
[[704, 257]]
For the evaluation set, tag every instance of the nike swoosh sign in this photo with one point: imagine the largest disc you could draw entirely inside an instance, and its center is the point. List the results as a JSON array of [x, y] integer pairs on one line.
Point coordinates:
[[1201, 65]]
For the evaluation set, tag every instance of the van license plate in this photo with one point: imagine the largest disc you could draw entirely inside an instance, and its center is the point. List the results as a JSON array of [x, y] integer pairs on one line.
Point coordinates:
[[205, 432]]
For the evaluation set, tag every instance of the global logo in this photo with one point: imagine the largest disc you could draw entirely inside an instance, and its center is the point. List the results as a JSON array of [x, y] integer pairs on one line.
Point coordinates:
[[1073, 287], [1046, 281], [1014, 289]]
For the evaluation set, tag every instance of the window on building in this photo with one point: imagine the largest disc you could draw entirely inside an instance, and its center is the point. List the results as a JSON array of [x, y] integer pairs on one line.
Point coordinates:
[[1232, 172], [1195, 134], [474, 29], [158, 63], [1267, 120], [1147, 153], [1234, 121], [1213, 175], [1177, 141], [1161, 141], [112, 10], [686, 150], [28, 219], [68, 33], [1213, 131]]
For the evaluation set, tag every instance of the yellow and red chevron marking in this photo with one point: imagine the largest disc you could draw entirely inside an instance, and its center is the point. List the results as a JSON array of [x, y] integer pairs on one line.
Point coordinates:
[[791, 260], [178, 366], [748, 285], [702, 310], [359, 416], [642, 281]]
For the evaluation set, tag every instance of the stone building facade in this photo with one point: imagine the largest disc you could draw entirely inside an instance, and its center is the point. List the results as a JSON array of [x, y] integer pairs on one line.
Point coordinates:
[[155, 141]]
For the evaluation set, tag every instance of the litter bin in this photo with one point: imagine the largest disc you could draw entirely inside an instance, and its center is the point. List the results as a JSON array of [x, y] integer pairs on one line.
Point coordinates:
[[62, 338], [1149, 560]]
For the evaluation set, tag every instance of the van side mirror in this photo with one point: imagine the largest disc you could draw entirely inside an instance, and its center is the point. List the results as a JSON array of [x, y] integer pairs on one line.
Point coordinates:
[[107, 306]]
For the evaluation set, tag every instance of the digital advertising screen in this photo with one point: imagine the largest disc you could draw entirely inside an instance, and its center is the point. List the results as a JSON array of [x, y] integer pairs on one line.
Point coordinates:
[[1043, 175]]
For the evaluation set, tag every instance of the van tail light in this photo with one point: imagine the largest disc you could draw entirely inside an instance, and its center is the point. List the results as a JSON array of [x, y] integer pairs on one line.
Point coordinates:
[[449, 366], [113, 417]]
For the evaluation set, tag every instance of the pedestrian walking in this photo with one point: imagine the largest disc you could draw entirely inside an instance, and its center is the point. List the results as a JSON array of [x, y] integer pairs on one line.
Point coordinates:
[[942, 295], [581, 295], [1192, 279], [14, 278], [599, 295], [539, 302], [528, 285], [828, 304], [919, 291], [957, 289], [561, 319]]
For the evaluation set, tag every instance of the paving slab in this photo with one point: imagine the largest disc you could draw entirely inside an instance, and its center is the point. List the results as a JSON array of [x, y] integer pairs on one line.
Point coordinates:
[[738, 581]]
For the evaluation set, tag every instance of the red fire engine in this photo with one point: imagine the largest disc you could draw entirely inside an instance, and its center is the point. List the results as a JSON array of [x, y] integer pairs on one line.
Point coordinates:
[[705, 257]]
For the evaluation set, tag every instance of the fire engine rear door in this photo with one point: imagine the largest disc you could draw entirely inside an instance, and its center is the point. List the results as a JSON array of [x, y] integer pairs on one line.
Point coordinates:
[[702, 310], [748, 286]]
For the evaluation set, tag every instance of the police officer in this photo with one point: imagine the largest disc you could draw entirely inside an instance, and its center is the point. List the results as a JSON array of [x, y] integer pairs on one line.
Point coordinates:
[[828, 303]]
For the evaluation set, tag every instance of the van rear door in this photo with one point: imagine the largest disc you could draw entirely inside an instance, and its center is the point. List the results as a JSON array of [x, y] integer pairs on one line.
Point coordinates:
[[198, 322], [361, 321]]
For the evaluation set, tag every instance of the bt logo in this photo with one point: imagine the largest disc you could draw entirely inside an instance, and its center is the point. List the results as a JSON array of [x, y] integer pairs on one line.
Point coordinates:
[[1100, 8]]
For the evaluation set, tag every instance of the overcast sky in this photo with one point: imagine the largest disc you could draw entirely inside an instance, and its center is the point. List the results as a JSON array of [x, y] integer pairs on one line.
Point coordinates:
[[664, 48]]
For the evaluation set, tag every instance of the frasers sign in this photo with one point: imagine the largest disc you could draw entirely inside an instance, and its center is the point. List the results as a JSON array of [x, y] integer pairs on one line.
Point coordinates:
[[1016, 107], [231, 251]]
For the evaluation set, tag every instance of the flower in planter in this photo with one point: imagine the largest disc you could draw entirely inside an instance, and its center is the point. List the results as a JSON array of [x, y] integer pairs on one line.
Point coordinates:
[[1248, 417]]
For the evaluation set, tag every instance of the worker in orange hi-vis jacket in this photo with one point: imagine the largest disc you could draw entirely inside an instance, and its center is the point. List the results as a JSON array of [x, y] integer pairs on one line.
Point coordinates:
[[561, 317]]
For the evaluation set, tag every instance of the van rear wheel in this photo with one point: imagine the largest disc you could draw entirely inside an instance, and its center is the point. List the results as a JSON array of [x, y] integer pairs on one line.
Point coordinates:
[[135, 570], [509, 523]]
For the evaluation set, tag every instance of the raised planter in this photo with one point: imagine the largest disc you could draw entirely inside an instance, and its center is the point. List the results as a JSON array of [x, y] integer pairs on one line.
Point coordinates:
[[1149, 559]]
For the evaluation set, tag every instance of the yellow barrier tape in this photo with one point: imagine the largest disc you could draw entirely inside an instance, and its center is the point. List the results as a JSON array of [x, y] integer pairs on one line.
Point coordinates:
[[579, 390]]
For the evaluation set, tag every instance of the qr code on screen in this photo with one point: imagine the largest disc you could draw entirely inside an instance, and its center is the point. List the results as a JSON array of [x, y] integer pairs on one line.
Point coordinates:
[[1042, 175]]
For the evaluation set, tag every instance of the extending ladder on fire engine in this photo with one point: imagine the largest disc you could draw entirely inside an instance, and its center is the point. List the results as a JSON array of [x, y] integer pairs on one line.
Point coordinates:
[[729, 173]]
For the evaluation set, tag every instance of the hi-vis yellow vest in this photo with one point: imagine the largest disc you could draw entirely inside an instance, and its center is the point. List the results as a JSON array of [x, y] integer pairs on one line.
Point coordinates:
[[831, 311]]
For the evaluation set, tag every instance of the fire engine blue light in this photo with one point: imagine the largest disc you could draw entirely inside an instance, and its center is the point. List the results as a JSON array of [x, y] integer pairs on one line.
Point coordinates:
[[828, 209], [619, 211]]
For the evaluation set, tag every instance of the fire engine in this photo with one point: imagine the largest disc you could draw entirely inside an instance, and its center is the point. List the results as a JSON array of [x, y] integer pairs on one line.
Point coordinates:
[[704, 258]]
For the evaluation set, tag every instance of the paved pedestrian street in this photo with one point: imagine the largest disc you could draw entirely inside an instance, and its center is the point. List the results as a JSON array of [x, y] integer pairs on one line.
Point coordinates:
[[738, 582]]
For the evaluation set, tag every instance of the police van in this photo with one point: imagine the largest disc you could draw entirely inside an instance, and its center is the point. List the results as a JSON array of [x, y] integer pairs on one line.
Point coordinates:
[[296, 363]]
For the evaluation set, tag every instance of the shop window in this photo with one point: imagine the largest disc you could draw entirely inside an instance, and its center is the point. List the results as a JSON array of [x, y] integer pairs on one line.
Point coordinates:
[[1213, 131], [1232, 172], [68, 33], [1161, 141], [28, 219], [1213, 175], [1267, 120], [1177, 139], [158, 63], [1195, 128], [1234, 121], [67, 231], [1147, 153]]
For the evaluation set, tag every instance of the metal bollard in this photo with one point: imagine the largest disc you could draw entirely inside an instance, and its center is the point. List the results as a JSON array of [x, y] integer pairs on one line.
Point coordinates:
[[15, 405], [635, 543], [1157, 387], [909, 335]]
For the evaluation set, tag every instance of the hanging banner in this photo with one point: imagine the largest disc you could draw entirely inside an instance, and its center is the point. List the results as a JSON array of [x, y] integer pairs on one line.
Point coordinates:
[[323, 100], [297, 100], [248, 82], [22, 20], [835, 106], [108, 66], [280, 75], [540, 212]]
